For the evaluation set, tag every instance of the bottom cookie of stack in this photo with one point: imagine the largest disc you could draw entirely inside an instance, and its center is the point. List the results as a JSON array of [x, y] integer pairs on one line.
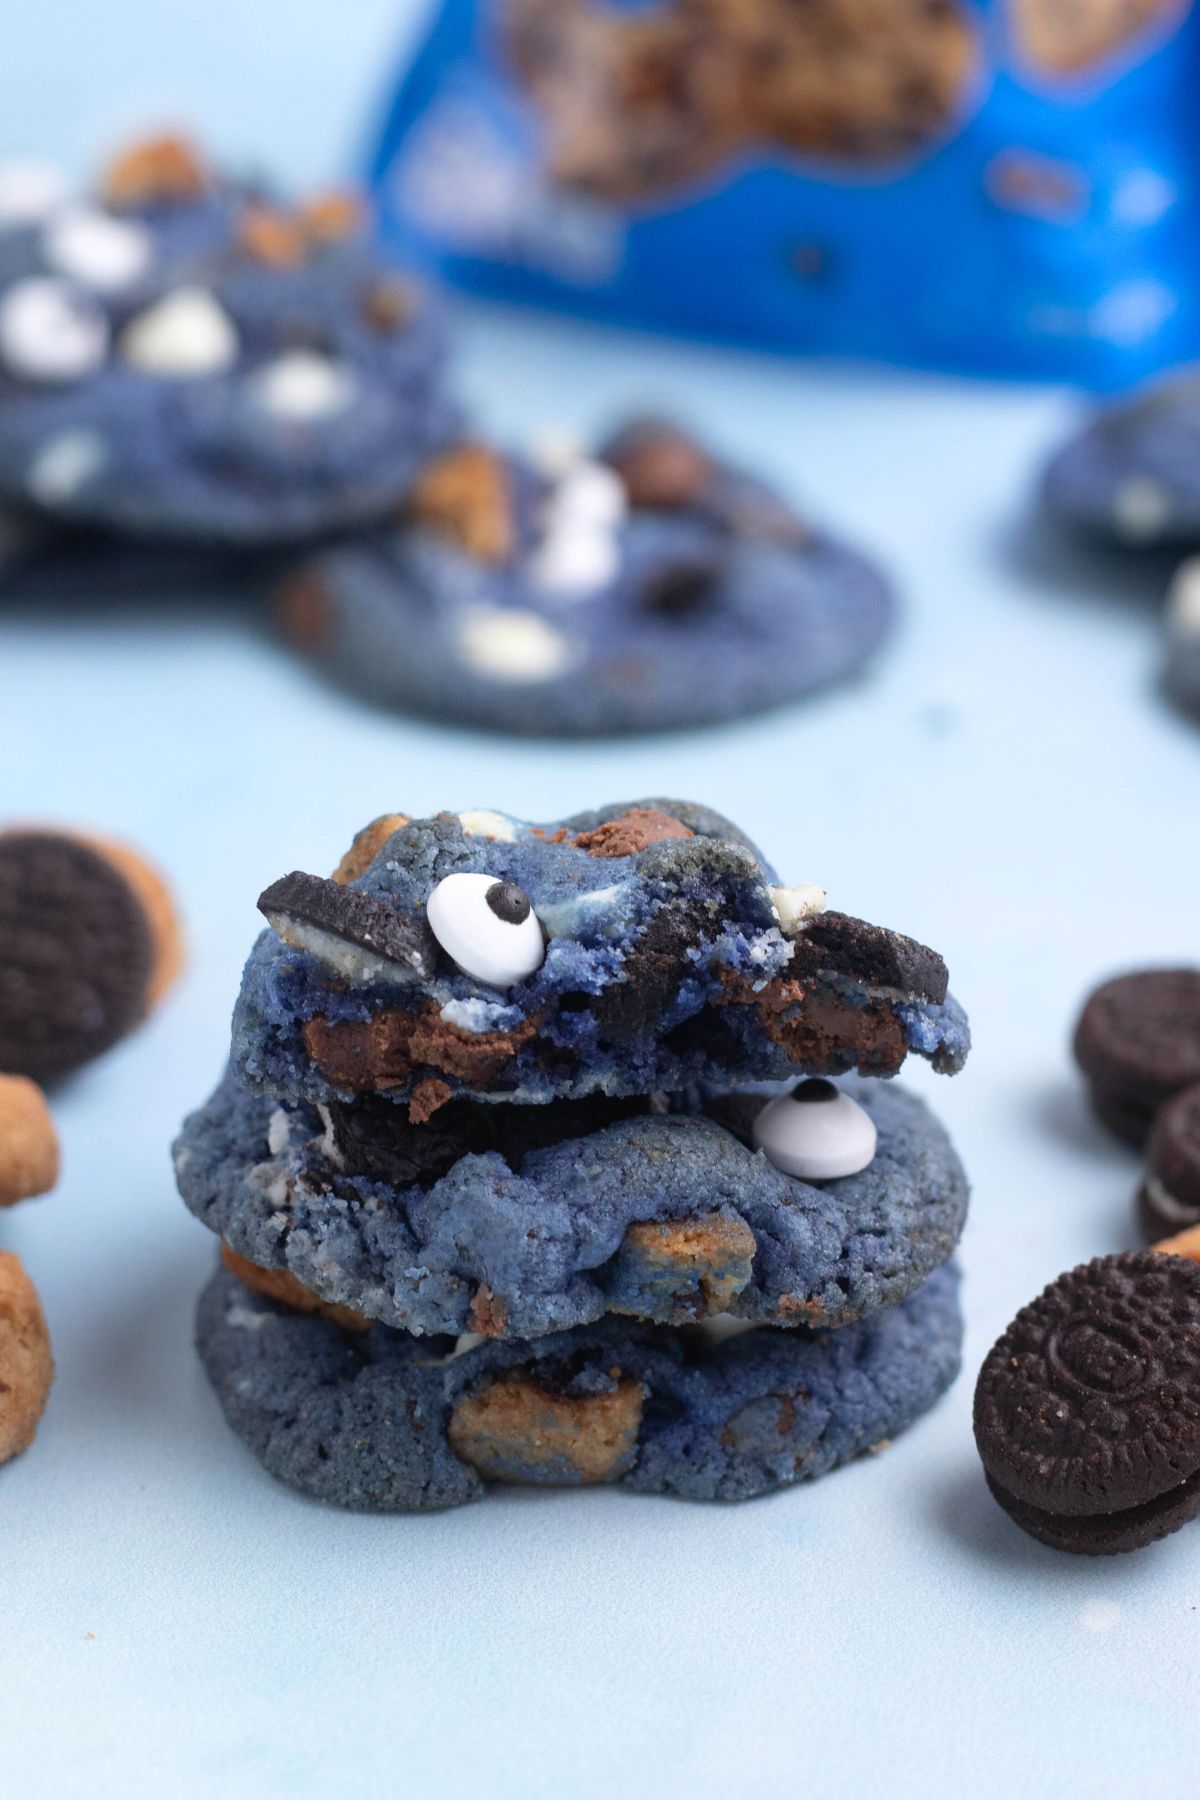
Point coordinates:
[[362, 1415]]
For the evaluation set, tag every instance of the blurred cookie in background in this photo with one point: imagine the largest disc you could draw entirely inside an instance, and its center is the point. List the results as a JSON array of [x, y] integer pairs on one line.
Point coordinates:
[[28, 1166], [1131, 474], [183, 355], [642, 586], [1138, 1043], [1181, 668], [1068, 37]]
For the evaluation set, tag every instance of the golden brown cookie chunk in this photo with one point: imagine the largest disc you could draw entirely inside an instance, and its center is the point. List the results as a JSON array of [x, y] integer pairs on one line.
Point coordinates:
[[1064, 37], [516, 1430], [26, 1362], [466, 495], [156, 170], [333, 215], [271, 237], [159, 908], [1184, 1243], [366, 846], [282, 1285], [708, 1256], [28, 1141]]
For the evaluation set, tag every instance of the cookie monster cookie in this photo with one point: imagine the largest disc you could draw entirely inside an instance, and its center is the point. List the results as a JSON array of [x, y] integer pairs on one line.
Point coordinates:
[[386, 1422], [1087, 1410], [182, 356], [514, 1111], [1132, 473], [650, 587]]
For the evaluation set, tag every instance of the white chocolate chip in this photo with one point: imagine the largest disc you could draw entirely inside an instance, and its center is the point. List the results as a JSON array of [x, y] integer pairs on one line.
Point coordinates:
[[509, 643], [302, 386], [795, 906], [720, 1326], [185, 334], [575, 560], [50, 331], [1141, 509], [554, 453], [64, 464], [489, 825], [92, 247], [279, 1131], [589, 494], [29, 191], [1183, 600]]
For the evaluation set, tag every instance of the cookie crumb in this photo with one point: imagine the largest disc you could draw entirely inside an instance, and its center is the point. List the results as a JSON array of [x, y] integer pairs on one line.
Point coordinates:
[[26, 1362], [28, 1141]]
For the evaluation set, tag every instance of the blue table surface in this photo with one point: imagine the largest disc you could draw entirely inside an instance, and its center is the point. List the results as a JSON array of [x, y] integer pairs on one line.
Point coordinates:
[[1006, 786]]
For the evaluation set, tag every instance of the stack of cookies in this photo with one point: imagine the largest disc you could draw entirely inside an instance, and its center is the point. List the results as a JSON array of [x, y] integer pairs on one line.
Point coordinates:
[[529, 1166]]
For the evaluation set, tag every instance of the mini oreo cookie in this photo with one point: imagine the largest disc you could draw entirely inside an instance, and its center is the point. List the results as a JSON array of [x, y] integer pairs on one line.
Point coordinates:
[[1169, 1197], [1138, 1043], [88, 943], [1087, 1409]]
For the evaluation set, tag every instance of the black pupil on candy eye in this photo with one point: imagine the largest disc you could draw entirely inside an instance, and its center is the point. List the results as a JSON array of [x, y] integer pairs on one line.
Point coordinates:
[[815, 1090], [508, 902]]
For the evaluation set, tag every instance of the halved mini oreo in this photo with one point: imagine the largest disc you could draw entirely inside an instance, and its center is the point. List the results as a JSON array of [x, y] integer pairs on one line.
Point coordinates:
[[357, 937]]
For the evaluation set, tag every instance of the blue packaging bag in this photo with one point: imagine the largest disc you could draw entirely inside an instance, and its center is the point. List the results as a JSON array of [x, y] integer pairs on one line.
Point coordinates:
[[1007, 187]]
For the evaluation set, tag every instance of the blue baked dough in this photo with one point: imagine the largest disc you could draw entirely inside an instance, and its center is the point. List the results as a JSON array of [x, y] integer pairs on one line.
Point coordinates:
[[713, 610], [663, 967], [1131, 474], [548, 1242], [202, 458], [367, 1420]]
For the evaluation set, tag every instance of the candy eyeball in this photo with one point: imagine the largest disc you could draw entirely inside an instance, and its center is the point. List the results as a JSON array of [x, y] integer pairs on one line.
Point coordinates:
[[816, 1132], [50, 331], [487, 927]]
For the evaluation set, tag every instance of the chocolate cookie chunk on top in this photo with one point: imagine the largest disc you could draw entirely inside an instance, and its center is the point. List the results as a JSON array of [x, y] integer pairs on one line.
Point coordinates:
[[88, 943], [615, 952], [1087, 1409], [1138, 1043]]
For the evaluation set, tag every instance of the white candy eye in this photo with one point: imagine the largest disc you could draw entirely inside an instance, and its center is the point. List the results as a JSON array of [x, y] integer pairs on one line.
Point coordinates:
[[815, 1132], [29, 191], [487, 927], [102, 252], [590, 494], [185, 334], [50, 332], [573, 560]]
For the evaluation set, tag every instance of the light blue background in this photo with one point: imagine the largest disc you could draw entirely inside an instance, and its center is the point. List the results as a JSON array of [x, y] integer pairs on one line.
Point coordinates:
[[1007, 787]]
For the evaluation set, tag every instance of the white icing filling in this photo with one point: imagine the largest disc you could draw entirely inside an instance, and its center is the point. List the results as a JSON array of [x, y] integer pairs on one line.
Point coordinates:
[[464, 1342], [512, 644], [184, 335], [795, 906], [1163, 1201], [348, 961], [279, 1131], [719, 1327], [29, 191], [489, 825], [92, 247], [64, 464], [326, 1144], [1183, 600], [303, 387], [50, 331], [1141, 509]]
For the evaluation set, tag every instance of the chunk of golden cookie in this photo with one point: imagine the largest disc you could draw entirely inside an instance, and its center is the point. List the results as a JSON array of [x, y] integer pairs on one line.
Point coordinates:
[[28, 1141], [26, 1363]]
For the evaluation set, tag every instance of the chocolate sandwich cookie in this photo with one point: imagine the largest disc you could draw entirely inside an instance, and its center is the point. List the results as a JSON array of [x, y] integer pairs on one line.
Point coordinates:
[[89, 943], [1131, 474], [26, 1361], [650, 587], [1181, 671], [1169, 1197], [386, 1422], [630, 951], [530, 1219], [1138, 1043], [1087, 1410], [184, 356], [634, 104]]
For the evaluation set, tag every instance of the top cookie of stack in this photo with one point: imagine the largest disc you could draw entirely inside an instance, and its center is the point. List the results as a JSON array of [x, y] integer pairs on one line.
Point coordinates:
[[182, 356]]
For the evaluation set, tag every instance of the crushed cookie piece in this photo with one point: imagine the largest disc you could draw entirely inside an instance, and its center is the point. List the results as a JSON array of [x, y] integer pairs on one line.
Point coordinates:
[[155, 171], [467, 496]]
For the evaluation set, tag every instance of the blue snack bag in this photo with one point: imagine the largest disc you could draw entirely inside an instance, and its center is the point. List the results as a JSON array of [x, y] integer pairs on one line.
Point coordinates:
[[1006, 187]]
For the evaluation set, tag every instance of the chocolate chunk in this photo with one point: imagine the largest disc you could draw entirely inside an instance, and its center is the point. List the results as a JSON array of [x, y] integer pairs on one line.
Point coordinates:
[[77, 954], [1169, 1200], [379, 1139], [871, 955], [651, 972], [660, 466], [681, 590], [631, 832], [333, 923], [1088, 1407], [1138, 1043], [369, 1055], [388, 304]]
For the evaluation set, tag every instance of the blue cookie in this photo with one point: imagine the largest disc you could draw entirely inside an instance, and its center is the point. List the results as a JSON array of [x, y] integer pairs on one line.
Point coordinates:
[[651, 588], [180, 357], [524, 1220], [1132, 473], [381, 1421], [628, 951]]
